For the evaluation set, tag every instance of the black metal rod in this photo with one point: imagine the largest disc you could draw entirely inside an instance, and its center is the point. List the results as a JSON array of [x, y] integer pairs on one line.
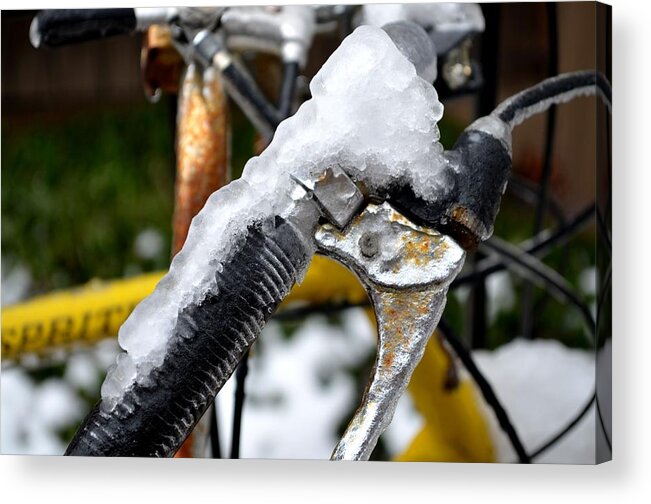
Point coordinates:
[[552, 70], [538, 98], [245, 92], [486, 390], [487, 99], [604, 232], [531, 268], [492, 265], [287, 89], [240, 379], [605, 289], [215, 444], [490, 42], [566, 430]]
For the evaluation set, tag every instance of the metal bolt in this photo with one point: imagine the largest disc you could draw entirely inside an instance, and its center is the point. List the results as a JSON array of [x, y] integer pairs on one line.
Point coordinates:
[[368, 244]]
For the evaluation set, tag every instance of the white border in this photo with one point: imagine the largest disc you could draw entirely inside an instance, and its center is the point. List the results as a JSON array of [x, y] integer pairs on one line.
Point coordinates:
[[627, 479]]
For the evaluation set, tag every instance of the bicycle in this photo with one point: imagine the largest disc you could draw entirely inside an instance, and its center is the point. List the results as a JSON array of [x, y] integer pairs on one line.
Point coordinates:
[[241, 27], [465, 231]]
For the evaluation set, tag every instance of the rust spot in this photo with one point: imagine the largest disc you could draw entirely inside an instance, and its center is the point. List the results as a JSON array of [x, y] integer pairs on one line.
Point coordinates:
[[387, 361], [399, 218], [202, 147], [161, 63], [441, 247]]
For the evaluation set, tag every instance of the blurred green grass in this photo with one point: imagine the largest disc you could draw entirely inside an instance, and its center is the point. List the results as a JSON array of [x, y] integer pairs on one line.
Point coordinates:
[[76, 193]]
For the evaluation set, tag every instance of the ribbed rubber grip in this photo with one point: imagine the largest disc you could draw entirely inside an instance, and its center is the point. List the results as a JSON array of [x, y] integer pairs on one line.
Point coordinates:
[[208, 342], [57, 27]]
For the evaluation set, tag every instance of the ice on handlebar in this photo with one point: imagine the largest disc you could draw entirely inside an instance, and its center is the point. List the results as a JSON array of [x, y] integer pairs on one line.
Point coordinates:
[[370, 114]]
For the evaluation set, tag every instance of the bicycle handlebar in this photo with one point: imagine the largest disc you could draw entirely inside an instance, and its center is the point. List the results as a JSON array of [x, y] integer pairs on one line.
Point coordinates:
[[58, 27], [209, 340], [476, 175]]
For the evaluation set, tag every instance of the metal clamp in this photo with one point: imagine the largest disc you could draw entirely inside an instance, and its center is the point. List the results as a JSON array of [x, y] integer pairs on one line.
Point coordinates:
[[406, 270]]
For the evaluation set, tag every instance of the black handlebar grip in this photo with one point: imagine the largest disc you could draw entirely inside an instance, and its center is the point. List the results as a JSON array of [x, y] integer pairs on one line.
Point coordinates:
[[473, 179], [483, 168], [209, 340], [57, 27]]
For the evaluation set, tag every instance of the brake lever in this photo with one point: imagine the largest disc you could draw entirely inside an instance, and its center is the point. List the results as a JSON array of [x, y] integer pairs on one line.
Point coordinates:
[[406, 270]]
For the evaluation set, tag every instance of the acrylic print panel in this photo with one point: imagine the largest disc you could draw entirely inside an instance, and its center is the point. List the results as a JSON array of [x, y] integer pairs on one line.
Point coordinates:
[[459, 305]]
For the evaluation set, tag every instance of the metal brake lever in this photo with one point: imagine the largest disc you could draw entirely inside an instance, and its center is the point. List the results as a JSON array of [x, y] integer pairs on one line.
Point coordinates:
[[406, 270]]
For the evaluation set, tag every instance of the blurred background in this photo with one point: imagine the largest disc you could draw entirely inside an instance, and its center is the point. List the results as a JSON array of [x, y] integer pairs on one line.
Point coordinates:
[[88, 173]]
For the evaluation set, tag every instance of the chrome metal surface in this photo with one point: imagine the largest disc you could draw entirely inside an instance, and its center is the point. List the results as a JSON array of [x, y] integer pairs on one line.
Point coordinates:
[[286, 30], [410, 257], [406, 270], [447, 23], [337, 196], [149, 16]]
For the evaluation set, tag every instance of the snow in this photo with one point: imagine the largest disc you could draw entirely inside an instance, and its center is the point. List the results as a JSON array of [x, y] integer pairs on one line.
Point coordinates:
[[370, 114], [32, 414], [542, 385], [81, 372], [149, 244], [500, 294], [299, 390], [16, 282]]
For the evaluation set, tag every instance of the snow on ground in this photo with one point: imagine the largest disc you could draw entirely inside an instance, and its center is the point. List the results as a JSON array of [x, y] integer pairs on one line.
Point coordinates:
[[542, 385], [32, 415]]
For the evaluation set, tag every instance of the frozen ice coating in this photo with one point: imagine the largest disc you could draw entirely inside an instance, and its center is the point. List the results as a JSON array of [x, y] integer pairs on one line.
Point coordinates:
[[369, 113]]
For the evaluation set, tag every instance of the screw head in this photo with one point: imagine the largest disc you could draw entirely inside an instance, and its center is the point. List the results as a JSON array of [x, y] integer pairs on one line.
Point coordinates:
[[368, 244]]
